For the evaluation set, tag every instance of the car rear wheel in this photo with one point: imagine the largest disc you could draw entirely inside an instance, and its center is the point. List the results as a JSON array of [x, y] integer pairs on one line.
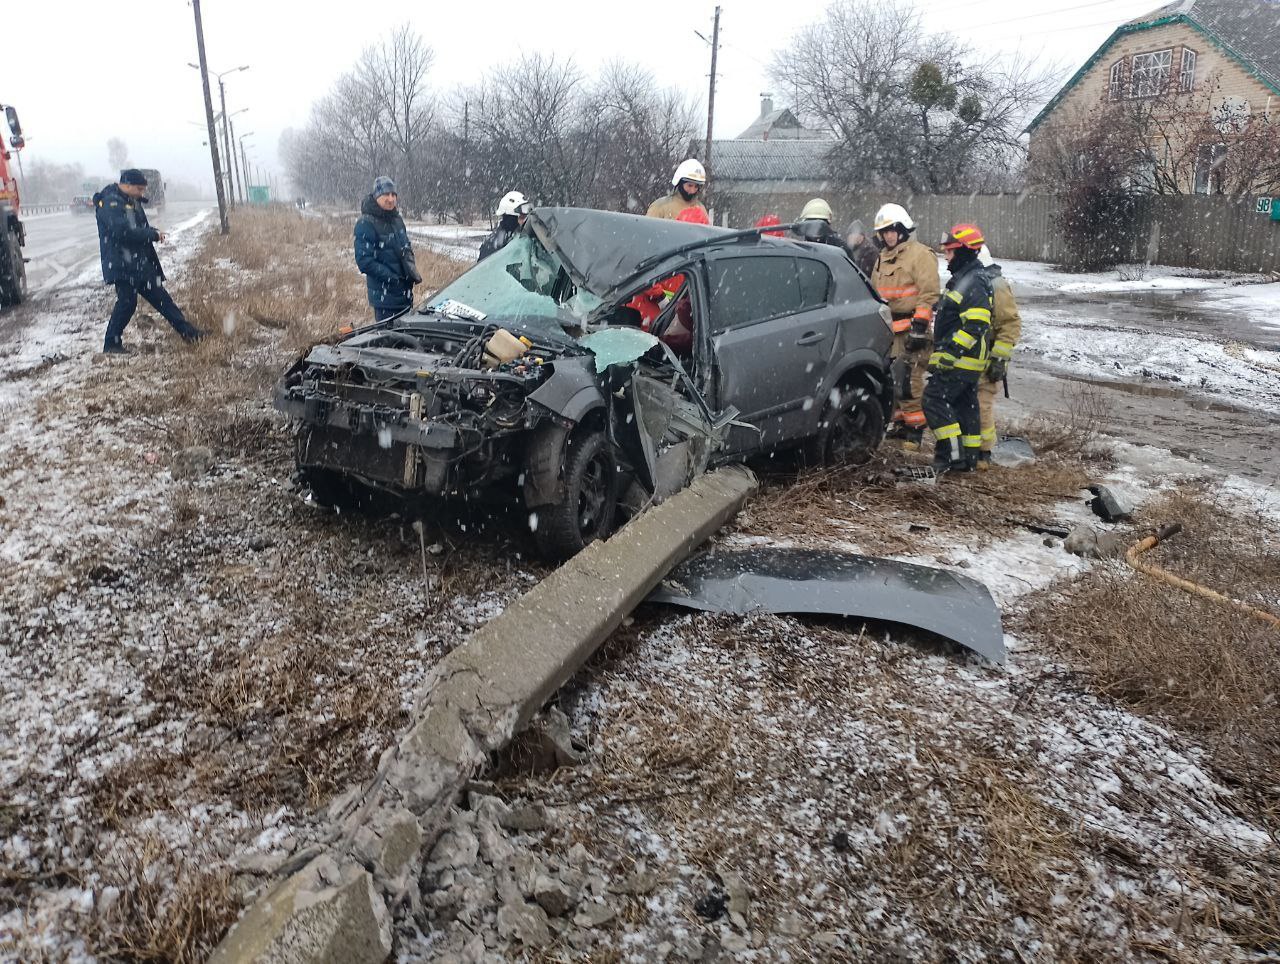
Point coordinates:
[[850, 431], [590, 502]]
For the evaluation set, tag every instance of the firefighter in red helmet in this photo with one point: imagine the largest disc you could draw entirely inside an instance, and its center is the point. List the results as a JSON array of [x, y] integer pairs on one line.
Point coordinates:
[[961, 343]]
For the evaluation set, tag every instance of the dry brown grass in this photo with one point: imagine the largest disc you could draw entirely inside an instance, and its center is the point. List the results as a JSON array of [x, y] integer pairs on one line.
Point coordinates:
[[1073, 435], [172, 905], [1210, 670]]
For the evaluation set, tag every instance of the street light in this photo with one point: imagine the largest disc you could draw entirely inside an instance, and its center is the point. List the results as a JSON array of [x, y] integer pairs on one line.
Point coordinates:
[[244, 165], [232, 148], [226, 133]]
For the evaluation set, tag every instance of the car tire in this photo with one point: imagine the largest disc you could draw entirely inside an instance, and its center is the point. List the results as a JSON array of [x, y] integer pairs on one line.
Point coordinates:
[[850, 430], [590, 503]]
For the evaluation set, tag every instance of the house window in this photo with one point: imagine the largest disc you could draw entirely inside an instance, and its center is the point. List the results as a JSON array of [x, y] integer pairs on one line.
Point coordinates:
[[1209, 160], [1115, 90], [1151, 72], [1187, 76]]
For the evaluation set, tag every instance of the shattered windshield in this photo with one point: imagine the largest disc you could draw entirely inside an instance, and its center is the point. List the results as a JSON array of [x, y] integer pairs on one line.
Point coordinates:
[[523, 287]]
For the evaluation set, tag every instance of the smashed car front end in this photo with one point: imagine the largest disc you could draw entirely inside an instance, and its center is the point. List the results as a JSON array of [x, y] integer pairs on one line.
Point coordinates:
[[406, 409]]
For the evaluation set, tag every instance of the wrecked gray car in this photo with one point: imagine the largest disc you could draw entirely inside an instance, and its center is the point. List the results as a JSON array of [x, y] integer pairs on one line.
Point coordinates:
[[598, 362]]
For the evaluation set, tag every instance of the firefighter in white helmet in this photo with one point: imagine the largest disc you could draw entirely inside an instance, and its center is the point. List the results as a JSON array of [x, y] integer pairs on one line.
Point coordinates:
[[815, 224], [512, 210], [1006, 329], [906, 276], [689, 180]]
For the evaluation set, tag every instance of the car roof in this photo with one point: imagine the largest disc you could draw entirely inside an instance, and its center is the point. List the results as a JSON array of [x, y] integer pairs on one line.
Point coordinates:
[[604, 250]]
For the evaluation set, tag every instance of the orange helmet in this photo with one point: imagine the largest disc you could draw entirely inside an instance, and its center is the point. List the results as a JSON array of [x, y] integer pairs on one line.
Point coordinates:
[[964, 236], [694, 215], [768, 221]]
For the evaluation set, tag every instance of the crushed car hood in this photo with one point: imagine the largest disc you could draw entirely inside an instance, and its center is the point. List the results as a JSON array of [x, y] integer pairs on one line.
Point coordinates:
[[823, 581], [602, 249]]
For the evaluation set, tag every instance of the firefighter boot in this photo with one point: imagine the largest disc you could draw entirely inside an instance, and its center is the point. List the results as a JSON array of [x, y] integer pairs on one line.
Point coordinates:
[[947, 457], [911, 438], [984, 461]]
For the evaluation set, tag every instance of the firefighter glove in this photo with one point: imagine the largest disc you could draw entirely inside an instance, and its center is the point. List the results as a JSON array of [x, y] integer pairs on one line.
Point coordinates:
[[997, 369]]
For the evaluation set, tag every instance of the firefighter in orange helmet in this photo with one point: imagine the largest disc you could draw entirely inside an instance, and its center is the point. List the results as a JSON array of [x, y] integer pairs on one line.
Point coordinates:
[[962, 342], [906, 276]]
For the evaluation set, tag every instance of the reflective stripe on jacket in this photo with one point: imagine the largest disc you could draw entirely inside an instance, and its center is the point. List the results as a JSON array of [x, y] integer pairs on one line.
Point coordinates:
[[906, 276], [1006, 321], [962, 322]]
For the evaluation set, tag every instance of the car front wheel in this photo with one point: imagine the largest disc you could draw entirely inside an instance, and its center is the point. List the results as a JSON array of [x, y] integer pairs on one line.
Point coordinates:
[[850, 431], [590, 502]]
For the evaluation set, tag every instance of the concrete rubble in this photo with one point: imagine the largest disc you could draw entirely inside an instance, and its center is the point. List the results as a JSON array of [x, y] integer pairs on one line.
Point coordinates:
[[479, 696]]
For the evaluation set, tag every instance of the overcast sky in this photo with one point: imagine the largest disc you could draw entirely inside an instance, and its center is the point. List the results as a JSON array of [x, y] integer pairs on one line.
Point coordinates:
[[81, 72]]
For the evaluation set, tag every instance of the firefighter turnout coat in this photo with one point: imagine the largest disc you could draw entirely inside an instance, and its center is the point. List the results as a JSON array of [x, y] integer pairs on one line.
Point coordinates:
[[962, 323], [906, 276], [669, 207]]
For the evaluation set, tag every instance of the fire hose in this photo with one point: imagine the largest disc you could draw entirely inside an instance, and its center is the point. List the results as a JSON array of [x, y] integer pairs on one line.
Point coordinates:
[[1186, 585]]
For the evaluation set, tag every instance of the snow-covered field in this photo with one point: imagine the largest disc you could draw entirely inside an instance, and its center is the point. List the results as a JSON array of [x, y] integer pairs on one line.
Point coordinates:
[[459, 241]]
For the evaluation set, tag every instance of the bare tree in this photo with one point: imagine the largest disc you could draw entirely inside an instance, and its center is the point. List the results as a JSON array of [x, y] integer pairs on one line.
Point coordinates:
[[117, 153], [909, 110], [393, 78]]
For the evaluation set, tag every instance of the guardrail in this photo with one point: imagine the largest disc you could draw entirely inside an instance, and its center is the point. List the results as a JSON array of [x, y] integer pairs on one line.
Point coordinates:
[[34, 209]]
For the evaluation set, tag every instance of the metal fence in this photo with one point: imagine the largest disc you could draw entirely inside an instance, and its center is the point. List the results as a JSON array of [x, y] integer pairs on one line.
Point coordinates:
[[1212, 233]]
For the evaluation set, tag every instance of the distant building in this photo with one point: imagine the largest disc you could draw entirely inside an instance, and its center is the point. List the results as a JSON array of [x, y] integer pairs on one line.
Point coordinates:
[[776, 154], [1228, 50]]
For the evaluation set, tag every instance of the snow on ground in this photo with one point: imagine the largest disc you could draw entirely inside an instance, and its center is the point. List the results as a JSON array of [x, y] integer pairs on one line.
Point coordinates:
[[459, 241], [1037, 274]]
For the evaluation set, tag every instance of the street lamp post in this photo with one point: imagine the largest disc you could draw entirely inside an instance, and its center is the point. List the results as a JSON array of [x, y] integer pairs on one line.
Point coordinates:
[[244, 165], [232, 149], [226, 120]]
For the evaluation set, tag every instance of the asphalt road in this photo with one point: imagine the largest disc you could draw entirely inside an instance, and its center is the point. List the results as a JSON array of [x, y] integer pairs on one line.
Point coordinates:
[[62, 246]]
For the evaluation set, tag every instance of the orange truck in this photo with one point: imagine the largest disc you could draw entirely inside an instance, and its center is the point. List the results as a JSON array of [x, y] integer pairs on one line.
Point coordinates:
[[13, 269]]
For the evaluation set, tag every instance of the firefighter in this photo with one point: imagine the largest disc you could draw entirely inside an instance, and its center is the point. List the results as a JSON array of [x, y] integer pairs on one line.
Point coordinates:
[[906, 276], [512, 211], [689, 180], [127, 246], [961, 340], [1006, 329], [815, 224]]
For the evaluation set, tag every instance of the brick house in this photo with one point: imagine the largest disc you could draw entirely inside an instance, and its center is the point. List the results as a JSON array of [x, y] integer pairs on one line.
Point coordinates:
[[1216, 59]]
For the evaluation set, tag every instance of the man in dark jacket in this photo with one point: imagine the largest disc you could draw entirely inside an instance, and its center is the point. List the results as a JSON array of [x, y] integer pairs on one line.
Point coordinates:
[[126, 243], [383, 252], [512, 211]]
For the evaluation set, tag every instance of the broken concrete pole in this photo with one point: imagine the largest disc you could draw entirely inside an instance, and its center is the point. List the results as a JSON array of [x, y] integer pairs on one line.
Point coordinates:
[[324, 914], [476, 699]]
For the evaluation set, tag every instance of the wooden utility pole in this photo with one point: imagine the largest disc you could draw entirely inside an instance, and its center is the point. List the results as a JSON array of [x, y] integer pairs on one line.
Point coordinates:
[[208, 114], [711, 93]]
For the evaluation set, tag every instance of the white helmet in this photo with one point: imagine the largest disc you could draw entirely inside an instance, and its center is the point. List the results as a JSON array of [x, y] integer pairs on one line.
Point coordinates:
[[690, 170], [891, 214], [816, 210], [513, 203], [984, 256]]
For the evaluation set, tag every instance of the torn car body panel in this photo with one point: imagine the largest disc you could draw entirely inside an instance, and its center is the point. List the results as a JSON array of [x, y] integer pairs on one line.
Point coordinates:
[[828, 582]]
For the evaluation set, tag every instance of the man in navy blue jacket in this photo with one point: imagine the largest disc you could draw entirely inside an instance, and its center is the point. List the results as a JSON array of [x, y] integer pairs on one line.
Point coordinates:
[[126, 243], [383, 252]]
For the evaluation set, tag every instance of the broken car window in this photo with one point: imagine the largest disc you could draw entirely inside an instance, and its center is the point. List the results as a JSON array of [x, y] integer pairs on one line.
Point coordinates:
[[523, 286]]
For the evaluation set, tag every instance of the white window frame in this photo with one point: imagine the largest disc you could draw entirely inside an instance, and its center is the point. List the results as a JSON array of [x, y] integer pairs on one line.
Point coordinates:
[[1187, 75], [1115, 86], [1150, 74]]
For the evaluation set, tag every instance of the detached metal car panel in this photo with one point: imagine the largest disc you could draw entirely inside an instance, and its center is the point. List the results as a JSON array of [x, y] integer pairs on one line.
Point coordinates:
[[753, 343]]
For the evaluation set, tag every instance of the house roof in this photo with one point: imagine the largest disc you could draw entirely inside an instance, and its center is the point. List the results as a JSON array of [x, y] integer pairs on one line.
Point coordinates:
[[781, 123], [772, 160], [1246, 30]]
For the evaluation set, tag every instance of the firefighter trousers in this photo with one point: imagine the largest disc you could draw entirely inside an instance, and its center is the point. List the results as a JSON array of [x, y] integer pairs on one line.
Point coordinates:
[[988, 392], [951, 406], [909, 408]]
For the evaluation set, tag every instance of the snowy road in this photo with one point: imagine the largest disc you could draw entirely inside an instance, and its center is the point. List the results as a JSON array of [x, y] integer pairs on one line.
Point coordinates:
[[62, 247]]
